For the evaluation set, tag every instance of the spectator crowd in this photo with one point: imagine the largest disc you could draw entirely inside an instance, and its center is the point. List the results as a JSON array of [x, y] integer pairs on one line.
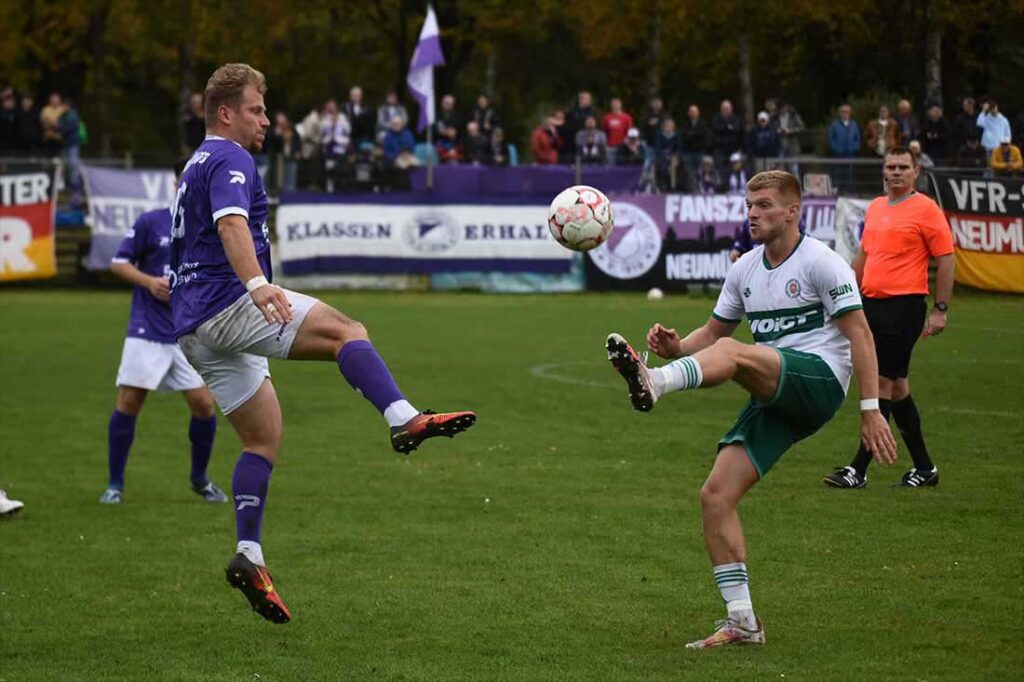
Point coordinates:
[[356, 146]]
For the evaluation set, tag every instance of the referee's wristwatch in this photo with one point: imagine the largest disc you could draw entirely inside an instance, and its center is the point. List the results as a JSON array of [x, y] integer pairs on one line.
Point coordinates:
[[941, 307]]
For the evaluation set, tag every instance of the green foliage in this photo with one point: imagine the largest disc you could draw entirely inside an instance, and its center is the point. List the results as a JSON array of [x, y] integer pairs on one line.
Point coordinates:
[[558, 539]]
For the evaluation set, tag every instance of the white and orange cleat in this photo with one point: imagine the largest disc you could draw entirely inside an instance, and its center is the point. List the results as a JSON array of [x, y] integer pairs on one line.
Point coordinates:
[[729, 632]]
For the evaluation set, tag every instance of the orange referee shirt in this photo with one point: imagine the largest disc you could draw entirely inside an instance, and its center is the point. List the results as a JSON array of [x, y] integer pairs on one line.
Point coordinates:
[[898, 241]]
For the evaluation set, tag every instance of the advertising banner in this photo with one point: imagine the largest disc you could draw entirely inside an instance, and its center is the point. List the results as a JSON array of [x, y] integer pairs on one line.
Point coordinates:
[[672, 240], [116, 199], [987, 218], [849, 226], [27, 240], [394, 234]]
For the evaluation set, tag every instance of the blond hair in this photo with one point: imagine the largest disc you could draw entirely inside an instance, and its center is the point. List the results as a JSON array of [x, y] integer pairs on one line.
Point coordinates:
[[227, 84], [784, 182]]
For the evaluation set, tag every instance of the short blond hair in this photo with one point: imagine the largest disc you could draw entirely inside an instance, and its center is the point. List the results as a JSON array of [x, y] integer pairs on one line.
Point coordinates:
[[227, 84], [785, 183]]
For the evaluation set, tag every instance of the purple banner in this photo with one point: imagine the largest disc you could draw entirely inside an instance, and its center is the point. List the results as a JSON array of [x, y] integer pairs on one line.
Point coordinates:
[[522, 181], [667, 240]]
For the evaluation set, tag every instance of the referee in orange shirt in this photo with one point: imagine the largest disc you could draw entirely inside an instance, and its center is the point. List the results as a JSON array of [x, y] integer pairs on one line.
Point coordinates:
[[902, 231]]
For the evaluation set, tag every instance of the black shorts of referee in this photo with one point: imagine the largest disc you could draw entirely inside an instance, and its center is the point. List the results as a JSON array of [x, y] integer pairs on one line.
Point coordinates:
[[896, 323]]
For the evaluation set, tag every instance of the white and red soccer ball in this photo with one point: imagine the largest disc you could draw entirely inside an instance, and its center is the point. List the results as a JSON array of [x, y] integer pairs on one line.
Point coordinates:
[[580, 218]]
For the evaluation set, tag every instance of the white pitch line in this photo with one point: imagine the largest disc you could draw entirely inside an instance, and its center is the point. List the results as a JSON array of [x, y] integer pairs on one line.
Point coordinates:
[[1000, 329], [544, 372], [970, 361], [988, 413]]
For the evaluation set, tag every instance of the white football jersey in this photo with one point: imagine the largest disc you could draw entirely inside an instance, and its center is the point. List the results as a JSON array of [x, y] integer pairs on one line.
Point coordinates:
[[794, 304]]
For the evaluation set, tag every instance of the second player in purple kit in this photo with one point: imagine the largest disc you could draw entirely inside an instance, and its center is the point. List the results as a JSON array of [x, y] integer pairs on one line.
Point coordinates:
[[150, 359], [229, 318]]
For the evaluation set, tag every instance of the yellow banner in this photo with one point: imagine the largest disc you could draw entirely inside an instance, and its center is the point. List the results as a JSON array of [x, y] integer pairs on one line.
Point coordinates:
[[994, 271]]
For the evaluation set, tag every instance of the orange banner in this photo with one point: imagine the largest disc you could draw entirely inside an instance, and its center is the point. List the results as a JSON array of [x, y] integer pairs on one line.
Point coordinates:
[[27, 240]]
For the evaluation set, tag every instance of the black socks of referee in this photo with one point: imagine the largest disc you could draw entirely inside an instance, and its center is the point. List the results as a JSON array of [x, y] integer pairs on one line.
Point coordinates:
[[863, 457], [908, 421], [904, 413]]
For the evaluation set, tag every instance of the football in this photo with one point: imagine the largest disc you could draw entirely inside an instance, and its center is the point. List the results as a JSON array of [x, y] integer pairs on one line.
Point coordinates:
[[580, 218]]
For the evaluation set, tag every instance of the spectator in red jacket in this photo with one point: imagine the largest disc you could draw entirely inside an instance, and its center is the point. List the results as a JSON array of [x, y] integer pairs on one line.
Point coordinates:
[[545, 142], [616, 124]]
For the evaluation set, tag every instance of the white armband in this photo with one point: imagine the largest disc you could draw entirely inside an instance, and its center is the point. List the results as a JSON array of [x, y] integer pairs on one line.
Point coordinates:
[[868, 404], [255, 283]]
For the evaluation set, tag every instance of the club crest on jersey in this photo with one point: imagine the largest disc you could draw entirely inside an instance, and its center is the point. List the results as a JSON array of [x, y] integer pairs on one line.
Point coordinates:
[[236, 177], [792, 288], [746, 292]]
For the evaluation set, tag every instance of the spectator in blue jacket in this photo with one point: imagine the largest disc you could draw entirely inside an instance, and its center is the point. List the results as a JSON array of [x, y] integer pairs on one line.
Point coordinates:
[[843, 143], [397, 140], [844, 135]]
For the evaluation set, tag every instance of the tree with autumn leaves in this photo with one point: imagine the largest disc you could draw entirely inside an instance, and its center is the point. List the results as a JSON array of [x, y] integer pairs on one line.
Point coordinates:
[[130, 64]]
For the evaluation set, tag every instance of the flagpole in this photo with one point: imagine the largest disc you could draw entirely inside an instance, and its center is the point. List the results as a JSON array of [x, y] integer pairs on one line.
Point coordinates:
[[430, 157]]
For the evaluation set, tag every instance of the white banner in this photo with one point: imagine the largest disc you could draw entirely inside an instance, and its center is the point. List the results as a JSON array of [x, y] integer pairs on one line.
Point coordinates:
[[849, 226], [414, 238]]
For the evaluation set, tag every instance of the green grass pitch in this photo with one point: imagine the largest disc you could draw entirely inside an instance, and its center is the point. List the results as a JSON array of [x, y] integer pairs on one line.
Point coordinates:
[[558, 539]]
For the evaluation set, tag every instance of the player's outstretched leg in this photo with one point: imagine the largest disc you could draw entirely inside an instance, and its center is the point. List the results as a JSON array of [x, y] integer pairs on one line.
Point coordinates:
[[366, 372], [202, 429], [327, 333], [627, 362]]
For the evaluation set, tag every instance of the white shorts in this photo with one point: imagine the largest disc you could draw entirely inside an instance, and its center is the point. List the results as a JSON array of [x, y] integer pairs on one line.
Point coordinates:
[[155, 366], [230, 349]]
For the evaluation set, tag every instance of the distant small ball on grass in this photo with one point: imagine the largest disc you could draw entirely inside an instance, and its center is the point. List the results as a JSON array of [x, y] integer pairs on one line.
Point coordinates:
[[655, 294]]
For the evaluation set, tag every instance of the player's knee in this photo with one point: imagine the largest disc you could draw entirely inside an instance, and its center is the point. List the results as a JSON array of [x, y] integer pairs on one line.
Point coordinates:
[[712, 498], [202, 407], [129, 401], [900, 389]]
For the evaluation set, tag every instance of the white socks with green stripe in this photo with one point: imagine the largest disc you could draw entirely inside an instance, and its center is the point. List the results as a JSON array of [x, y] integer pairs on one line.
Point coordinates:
[[734, 583], [678, 375]]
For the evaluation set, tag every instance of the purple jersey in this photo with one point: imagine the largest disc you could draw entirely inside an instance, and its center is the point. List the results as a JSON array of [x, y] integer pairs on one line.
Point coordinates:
[[147, 246], [220, 179]]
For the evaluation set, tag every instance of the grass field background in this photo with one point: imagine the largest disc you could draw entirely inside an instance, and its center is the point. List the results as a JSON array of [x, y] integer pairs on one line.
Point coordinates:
[[558, 539]]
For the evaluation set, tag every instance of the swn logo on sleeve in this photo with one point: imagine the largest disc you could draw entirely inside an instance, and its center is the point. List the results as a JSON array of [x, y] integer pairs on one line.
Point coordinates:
[[236, 177], [835, 293]]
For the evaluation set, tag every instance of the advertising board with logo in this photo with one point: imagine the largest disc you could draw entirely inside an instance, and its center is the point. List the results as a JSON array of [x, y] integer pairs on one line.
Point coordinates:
[[116, 199], [319, 234], [671, 241], [987, 219], [27, 244]]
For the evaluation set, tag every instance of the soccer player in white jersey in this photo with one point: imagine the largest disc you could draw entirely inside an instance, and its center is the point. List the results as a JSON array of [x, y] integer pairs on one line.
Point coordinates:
[[229, 318], [151, 360], [805, 315]]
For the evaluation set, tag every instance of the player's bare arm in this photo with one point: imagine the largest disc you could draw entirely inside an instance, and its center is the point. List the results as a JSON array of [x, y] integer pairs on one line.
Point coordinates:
[[874, 429], [158, 287], [858, 264], [944, 276], [667, 344], [241, 254]]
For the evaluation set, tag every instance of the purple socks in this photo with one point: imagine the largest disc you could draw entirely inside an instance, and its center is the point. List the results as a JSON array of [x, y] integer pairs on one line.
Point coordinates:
[[366, 372], [120, 434], [249, 486], [201, 433]]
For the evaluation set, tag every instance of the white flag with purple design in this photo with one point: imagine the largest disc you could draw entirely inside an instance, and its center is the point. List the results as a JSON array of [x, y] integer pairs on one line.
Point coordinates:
[[421, 69]]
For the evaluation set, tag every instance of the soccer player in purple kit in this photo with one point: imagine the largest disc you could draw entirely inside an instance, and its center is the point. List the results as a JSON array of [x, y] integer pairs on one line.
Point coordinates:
[[229, 318], [151, 360]]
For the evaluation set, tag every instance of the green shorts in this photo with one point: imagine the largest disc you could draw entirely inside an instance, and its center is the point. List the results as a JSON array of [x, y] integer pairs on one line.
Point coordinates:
[[807, 397]]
